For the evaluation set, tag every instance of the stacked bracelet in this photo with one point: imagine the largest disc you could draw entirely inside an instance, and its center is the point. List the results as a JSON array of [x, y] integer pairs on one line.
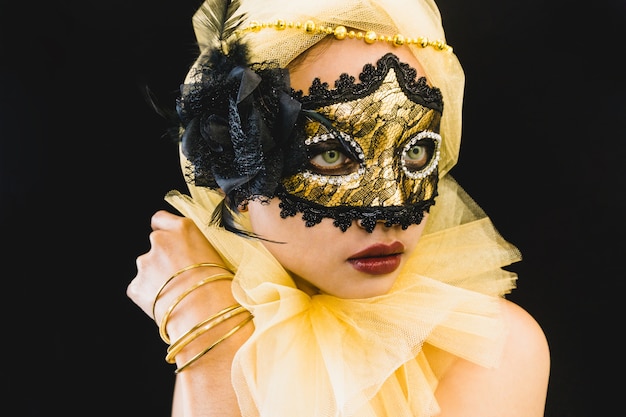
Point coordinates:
[[177, 273], [200, 328], [218, 341], [168, 312], [206, 324]]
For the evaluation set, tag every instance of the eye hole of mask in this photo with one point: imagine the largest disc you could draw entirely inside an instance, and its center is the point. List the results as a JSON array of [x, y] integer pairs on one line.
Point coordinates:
[[420, 155], [329, 156]]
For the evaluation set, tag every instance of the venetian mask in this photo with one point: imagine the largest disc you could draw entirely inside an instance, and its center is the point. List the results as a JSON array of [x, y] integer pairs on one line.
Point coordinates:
[[372, 150]]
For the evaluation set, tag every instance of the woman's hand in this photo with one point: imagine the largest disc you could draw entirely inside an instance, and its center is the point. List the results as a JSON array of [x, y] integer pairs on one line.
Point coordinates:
[[204, 388], [176, 242]]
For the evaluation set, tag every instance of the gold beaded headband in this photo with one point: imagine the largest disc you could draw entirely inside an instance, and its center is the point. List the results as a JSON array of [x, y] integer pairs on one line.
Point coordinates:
[[341, 32]]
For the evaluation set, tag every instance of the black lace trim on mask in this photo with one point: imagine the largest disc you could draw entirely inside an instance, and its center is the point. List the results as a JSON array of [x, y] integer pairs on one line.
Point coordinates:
[[344, 216], [347, 89]]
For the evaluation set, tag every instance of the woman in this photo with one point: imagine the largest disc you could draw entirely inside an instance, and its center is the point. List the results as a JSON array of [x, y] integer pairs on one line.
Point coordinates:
[[326, 263]]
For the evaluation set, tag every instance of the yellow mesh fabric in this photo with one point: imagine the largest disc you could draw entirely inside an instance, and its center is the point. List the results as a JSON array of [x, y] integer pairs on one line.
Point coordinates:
[[325, 356]]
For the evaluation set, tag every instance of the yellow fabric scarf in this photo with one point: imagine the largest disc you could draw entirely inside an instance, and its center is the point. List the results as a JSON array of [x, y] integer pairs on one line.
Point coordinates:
[[325, 356]]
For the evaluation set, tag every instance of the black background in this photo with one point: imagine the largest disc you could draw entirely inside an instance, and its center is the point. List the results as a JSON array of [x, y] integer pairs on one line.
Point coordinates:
[[84, 164]]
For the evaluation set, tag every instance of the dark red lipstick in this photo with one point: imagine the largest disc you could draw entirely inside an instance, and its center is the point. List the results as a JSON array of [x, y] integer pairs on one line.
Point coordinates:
[[378, 259]]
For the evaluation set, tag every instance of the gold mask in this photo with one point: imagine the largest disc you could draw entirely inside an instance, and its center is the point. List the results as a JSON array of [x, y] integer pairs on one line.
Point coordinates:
[[375, 161]]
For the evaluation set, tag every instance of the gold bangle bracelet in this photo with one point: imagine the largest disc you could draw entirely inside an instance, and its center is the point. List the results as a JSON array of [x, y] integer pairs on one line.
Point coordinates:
[[168, 312], [217, 342], [200, 328], [177, 273]]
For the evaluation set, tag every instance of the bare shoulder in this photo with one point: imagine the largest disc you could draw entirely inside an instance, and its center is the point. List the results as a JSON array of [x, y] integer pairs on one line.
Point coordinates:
[[526, 339], [517, 387]]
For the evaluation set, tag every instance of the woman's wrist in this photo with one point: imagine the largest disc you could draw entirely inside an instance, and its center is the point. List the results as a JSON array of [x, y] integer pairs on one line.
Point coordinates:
[[192, 302], [196, 311]]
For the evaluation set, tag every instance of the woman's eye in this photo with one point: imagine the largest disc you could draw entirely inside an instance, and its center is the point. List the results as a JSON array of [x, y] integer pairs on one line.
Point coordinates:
[[418, 155], [329, 158], [332, 162]]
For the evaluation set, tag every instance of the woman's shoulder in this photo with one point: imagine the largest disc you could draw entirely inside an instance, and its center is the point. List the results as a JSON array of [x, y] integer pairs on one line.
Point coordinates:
[[517, 387], [526, 352], [526, 339]]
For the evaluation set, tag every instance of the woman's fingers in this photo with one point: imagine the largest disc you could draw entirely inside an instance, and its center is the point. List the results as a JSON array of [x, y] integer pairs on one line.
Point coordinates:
[[163, 219], [175, 243]]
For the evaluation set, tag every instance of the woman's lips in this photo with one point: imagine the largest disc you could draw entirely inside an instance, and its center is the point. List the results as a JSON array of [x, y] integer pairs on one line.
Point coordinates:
[[378, 259]]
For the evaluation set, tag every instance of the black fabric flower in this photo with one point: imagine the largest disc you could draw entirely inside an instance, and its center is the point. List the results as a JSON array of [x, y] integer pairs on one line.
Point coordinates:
[[236, 119]]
